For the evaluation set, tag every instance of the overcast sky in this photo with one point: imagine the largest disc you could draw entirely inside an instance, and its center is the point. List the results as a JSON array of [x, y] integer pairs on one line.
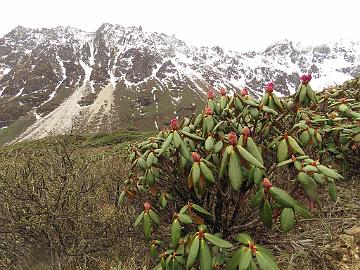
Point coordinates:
[[232, 24]]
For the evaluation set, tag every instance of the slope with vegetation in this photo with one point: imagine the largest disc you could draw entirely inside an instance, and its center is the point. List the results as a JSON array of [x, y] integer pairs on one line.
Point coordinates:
[[60, 198]]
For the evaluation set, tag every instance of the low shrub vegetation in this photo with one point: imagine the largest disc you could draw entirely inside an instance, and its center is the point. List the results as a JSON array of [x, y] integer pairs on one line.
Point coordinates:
[[206, 181]]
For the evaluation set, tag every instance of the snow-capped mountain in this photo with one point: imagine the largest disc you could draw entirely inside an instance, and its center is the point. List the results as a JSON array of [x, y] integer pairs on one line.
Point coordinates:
[[54, 79]]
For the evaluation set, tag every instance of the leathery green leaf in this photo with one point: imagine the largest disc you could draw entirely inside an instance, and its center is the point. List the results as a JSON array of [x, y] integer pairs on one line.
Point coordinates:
[[254, 150], [266, 214], [245, 257], [201, 210], [175, 232], [185, 218], [204, 256], [287, 219], [282, 197], [177, 139], [217, 241], [147, 225], [250, 158], [166, 144], [332, 189], [209, 143], [235, 173], [265, 261], [193, 252], [224, 161], [282, 151], [138, 219], [207, 172], [154, 216], [295, 146], [243, 238], [328, 172], [195, 172]]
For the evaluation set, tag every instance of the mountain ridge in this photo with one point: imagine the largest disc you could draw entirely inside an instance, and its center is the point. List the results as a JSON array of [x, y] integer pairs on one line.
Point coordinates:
[[153, 75]]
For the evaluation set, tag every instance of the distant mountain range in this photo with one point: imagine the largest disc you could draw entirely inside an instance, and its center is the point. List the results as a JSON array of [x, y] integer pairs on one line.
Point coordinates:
[[117, 77]]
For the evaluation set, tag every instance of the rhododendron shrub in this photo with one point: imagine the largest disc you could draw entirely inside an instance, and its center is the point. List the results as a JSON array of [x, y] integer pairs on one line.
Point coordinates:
[[206, 180]]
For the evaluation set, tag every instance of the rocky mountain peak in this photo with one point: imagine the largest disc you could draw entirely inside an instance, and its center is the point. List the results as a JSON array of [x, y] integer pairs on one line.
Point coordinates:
[[119, 75]]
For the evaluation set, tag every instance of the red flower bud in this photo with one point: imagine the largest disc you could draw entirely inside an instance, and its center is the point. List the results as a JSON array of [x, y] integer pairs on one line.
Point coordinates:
[[269, 87], [223, 92], [211, 94], [208, 111], [232, 138], [174, 124], [244, 92], [196, 157], [246, 132], [306, 78], [266, 184], [147, 206]]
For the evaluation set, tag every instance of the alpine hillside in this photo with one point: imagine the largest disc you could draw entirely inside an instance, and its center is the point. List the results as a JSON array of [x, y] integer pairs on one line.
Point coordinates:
[[55, 79]]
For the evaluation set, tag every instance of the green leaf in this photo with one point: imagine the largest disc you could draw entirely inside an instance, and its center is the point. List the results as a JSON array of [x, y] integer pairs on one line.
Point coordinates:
[[254, 150], [138, 219], [258, 174], [245, 257], [217, 241], [147, 225], [328, 172], [177, 139], [294, 145], [218, 146], [257, 198], [285, 162], [304, 138], [154, 216], [302, 94], [150, 159], [209, 143], [287, 219], [332, 190], [201, 210], [282, 151], [282, 197], [166, 144], [184, 209], [185, 218], [175, 232], [193, 252], [243, 238], [250, 158], [309, 185], [209, 123], [204, 256], [141, 163], [224, 161], [319, 178], [184, 150], [235, 174], [253, 265], [207, 172], [265, 260], [195, 172], [277, 101], [233, 263], [266, 214], [192, 136], [310, 93], [302, 211]]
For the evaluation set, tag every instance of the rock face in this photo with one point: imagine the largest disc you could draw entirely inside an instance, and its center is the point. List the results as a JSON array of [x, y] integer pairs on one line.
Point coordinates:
[[153, 76]]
